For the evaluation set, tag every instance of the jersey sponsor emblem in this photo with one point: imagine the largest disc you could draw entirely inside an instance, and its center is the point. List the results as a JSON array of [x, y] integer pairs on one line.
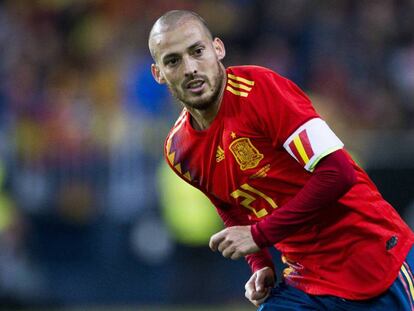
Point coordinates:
[[262, 173], [239, 86], [219, 154], [391, 243], [246, 155]]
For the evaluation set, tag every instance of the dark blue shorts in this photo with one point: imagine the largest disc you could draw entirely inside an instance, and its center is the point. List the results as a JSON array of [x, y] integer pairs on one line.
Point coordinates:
[[398, 297]]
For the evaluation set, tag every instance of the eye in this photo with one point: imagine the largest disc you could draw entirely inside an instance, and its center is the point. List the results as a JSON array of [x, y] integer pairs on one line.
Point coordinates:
[[171, 61], [198, 51]]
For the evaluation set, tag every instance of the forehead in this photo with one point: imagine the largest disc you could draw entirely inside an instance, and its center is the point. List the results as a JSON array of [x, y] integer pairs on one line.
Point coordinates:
[[178, 39]]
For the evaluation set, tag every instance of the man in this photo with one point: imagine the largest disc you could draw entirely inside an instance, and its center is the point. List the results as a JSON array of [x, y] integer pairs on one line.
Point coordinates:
[[251, 141]]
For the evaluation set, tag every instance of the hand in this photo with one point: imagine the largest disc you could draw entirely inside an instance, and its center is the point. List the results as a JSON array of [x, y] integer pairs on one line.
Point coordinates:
[[259, 285], [234, 242]]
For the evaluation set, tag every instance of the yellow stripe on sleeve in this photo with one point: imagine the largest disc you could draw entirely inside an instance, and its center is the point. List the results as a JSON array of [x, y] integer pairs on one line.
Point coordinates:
[[240, 79], [235, 92], [178, 168], [171, 157], [301, 150], [240, 86], [168, 147], [188, 176]]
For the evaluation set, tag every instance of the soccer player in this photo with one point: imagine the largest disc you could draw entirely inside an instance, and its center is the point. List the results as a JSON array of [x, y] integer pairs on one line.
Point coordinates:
[[252, 142]]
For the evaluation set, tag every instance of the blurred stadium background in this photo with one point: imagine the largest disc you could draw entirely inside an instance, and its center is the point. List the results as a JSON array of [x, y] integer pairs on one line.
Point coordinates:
[[89, 214]]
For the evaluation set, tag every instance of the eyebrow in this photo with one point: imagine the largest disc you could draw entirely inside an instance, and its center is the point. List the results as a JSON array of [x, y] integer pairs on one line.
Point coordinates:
[[191, 47], [195, 45]]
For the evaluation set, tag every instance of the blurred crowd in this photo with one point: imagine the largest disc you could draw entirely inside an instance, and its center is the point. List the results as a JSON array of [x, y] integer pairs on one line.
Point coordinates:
[[82, 125]]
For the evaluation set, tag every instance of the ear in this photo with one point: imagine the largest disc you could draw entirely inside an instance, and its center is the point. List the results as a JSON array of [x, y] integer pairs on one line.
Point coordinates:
[[219, 48], [156, 73]]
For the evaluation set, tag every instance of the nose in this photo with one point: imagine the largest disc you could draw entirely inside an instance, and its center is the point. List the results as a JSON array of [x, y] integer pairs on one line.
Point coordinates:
[[190, 66]]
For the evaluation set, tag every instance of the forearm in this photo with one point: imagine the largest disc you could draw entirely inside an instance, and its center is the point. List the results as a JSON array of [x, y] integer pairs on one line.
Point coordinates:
[[260, 260], [332, 178], [232, 218]]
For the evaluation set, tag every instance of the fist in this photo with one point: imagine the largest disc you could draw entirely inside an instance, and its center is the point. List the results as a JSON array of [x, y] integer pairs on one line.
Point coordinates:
[[234, 242], [259, 285]]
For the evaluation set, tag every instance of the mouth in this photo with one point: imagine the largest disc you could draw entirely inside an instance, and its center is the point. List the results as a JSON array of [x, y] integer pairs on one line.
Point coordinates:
[[195, 86]]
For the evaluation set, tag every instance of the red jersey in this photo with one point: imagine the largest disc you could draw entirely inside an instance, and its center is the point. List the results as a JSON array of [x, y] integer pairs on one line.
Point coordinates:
[[257, 154]]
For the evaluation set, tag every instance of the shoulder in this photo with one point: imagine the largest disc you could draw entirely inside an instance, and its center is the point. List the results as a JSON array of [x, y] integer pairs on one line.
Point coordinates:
[[249, 70], [254, 73], [255, 83], [178, 125]]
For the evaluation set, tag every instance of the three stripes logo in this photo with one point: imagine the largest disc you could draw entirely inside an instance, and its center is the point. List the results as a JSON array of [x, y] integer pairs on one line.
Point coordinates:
[[219, 154], [239, 86]]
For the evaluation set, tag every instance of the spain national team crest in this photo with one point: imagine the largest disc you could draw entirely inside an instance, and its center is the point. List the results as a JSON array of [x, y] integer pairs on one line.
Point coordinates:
[[246, 155]]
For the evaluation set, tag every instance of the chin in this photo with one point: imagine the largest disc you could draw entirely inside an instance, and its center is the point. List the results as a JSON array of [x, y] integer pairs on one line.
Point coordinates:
[[208, 100], [200, 103]]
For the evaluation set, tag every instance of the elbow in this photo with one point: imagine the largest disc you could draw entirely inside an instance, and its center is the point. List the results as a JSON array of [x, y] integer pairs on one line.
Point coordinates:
[[339, 171], [346, 171], [349, 179]]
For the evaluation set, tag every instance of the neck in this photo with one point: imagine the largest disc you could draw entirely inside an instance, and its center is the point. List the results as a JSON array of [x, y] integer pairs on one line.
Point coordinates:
[[202, 119]]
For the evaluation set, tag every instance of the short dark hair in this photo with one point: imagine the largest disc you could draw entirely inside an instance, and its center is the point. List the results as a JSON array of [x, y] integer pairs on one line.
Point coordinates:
[[172, 19]]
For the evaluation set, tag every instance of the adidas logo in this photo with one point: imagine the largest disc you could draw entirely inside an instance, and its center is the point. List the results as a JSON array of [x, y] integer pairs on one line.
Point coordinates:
[[239, 86], [219, 154]]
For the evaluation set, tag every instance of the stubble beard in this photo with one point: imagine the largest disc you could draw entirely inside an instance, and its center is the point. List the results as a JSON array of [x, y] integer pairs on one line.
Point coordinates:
[[202, 103]]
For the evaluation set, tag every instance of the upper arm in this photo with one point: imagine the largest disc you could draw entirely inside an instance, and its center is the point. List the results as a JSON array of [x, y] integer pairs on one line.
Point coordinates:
[[289, 119]]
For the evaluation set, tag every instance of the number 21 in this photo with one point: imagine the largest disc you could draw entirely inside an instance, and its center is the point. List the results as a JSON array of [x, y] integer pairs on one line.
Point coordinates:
[[249, 198]]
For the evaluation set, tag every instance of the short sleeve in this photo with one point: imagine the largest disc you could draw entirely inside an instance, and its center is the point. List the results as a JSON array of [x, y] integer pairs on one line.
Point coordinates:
[[282, 107], [289, 120], [311, 142]]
